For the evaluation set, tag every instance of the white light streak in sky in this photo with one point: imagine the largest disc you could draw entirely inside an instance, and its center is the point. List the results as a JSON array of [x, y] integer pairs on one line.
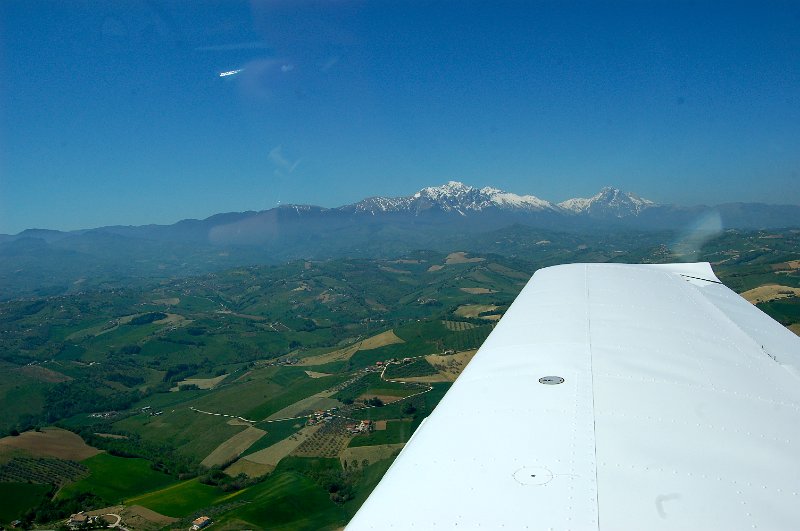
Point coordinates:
[[230, 72]]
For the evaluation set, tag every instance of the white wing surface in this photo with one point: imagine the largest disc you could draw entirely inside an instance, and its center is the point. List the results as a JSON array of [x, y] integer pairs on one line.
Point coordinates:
[[679, 409]]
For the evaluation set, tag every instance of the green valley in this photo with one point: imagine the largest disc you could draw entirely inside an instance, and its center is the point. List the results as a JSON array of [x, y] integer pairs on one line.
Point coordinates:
[[274, 397]]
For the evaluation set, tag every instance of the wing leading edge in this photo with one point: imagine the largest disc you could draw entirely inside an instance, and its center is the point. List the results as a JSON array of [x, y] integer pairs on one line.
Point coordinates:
[[679, 409]]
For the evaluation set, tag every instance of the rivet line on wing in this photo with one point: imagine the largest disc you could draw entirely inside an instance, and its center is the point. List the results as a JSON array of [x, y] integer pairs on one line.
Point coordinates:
[[591, 384]]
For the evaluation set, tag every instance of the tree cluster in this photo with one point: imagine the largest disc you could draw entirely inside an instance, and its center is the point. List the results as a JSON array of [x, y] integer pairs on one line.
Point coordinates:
[[49, 509]]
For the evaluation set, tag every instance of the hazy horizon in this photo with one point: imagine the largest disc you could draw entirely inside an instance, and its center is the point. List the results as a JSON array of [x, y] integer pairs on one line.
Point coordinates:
[[201, 217], [117, 114]]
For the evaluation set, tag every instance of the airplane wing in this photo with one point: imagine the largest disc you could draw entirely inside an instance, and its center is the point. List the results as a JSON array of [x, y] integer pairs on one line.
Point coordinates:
[[611, 396]]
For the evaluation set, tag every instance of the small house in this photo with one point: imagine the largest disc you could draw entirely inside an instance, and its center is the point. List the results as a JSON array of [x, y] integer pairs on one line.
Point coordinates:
[[78, 519], [200, 523]]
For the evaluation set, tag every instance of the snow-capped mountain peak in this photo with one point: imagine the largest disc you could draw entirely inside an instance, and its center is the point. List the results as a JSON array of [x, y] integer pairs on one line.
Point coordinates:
[[453, 196], [453, 189], [529, 202], [608, 202], [457, 197]]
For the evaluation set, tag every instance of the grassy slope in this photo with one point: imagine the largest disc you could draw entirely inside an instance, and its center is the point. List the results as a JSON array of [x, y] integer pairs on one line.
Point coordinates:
[[115, 478], [16, 498], [297, 391], [288, 500], [19, 395], [181, 499], [230, 341], [276, 431], [193, 434], [372, 474], [424, 404]]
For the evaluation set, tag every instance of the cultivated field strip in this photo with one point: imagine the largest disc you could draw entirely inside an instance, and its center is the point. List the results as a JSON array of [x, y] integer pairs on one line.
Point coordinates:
[[42, 470], [233, 447]]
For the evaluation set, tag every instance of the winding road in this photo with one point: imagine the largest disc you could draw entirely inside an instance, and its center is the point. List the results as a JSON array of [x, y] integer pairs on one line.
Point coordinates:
[[118, 523]]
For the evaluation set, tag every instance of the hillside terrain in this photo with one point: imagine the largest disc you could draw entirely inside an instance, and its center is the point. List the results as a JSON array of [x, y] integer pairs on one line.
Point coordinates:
[[275, 397], [39, 262]]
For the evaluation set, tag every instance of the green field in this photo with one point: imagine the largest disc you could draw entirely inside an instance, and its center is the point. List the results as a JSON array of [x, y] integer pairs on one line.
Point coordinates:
[[370, 476], [295, 392], [254, 324], [372, 385], [288, 501], [191, 433], [15, 498], [182, 499], [397, 431], [391, 391], [424, 404], [286, 376], [429, 336], [19, 394], [417, 367], [116, 478], [276, 431], [239, 399]]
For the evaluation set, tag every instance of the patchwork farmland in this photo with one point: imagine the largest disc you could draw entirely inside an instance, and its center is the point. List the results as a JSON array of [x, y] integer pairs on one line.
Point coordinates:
[[238, 394]]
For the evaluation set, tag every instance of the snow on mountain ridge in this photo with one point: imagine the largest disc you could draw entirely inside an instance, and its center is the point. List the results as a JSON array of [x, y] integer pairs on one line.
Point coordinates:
[[609, 201], [576, 204], [521, 201], [451, 189], [455, 196], [382, 204]]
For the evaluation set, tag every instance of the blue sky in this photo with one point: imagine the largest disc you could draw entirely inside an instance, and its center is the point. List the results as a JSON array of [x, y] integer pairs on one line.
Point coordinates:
[[114, 112]]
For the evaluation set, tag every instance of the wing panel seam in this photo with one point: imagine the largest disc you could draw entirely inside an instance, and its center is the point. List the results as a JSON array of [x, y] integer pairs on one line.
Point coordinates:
[[703, 304], [591, 388]]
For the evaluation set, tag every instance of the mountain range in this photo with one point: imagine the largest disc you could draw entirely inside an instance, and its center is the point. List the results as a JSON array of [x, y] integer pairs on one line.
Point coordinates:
[[436, 217], [456, 197], [609, 207]]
